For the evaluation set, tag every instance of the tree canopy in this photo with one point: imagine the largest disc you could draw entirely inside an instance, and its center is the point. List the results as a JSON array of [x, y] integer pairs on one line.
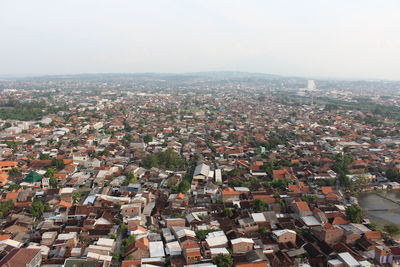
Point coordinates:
[[167, 159], [354, 213]]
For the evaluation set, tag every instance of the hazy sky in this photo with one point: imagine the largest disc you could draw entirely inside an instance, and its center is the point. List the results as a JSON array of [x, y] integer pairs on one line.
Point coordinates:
[[314, 38]]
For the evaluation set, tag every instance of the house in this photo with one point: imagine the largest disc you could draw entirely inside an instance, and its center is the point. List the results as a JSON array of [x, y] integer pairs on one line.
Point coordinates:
[[68, 240], [301, 208], [242, 245], [191, 252], [201, 172], [22, 257], [130, 210], [328, 233], [348, 260], [230, 195], [217, 239], [48, 238], [383, 255], [175, 222], [156, 249], [6, 166], [284, 236]]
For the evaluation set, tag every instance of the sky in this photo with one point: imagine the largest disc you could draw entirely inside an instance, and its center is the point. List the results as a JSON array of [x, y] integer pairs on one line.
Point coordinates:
[[308, 38]]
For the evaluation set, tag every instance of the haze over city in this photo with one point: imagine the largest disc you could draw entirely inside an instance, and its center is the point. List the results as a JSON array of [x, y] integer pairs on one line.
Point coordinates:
[[318, 39], [199, 133]]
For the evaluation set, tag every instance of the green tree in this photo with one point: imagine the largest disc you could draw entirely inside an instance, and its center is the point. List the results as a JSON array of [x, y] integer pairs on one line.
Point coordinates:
[[393, 175], [13, 187], [392, 229], [44, 156], [222, 260], [31, 142], [77, 196], [14, 172], [309, 198], [354, 213], [5, 208], [279, 184], [53, 182], [233, 173], [263, 230], [201, 234], [148, 138], [184, 186], [50, 173], [227, 212], [259, 205], [132, 178], [58, 163], [38, 207]]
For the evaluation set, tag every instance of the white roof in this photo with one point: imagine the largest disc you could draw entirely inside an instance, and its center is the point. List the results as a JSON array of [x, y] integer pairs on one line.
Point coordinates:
[[217, 240], [12, 243], [284, 231], [156, 249], [202, 169], [258, 217], [348, 259], [67, 190], [215, 251], [96, 256], [44, 250], [310, 220], [102, 221], [185, 232], [218, 176], [173, 247], [241, 189], [67, 236], [242, 240], [107, 242], [49, 235]]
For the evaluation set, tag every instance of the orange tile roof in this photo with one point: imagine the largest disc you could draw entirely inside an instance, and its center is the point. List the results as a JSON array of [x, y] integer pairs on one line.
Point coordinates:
[[12, 195], [268, 199], [294, 188], [340, 221], [301, 205], [230, 191], [180, 196], [373, 235], [65, 204], [129, 263], [4, 237], [327, 189], [142, 243]]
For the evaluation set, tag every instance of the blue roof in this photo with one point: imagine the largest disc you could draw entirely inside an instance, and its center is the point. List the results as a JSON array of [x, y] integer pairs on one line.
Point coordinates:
[[89, 199]]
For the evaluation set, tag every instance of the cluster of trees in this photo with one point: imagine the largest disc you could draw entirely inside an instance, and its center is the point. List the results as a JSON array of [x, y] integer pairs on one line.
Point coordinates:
[[167, 159], [223, 260], [129, 240], [38, 208], [15, 110], [354, 213], [341, 167], [130, 179], [50, 174], [393, 175], [260, 205], [5, 208], [391, 229]]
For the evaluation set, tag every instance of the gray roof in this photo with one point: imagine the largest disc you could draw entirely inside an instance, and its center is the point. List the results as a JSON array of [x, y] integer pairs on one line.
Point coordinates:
[[202, 169]]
